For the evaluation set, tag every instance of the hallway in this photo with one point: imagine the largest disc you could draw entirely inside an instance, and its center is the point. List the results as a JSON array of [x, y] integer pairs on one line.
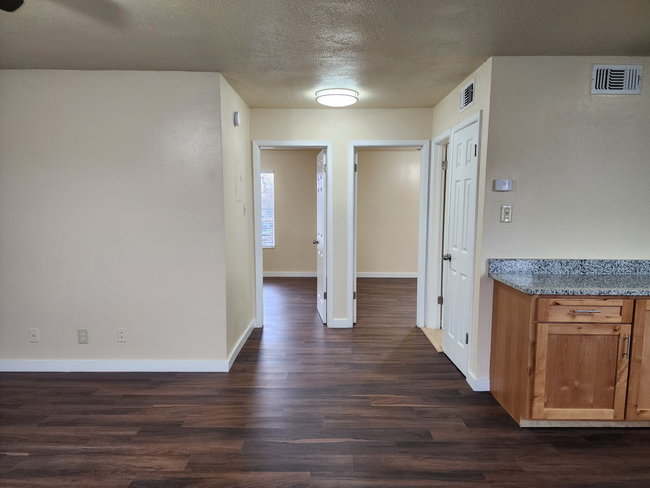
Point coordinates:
[[303, 405]]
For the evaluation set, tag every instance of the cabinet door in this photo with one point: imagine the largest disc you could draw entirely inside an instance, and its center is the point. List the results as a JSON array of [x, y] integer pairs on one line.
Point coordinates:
[[581, 371], [638, 403]]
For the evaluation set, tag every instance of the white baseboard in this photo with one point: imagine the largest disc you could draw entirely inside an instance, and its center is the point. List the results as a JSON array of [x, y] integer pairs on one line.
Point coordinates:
[[339, 324], [110, 365], [240, 344], [368, 274], [125, 365], [478, 384], [289, 274]]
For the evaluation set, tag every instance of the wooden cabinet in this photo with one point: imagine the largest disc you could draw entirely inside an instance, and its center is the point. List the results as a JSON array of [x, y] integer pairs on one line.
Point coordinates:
[[570, 358], [580, 371], [638, 403]]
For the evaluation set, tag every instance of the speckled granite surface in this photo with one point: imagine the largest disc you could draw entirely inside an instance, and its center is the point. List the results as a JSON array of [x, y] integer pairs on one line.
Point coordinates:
[[573, 276]]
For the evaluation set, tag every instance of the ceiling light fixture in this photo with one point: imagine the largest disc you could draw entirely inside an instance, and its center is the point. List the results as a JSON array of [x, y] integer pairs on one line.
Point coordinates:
[[10, 5], [337, 97]]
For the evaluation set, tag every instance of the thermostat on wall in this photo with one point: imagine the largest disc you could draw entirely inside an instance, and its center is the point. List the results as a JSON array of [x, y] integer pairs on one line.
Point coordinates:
[[502, 185]]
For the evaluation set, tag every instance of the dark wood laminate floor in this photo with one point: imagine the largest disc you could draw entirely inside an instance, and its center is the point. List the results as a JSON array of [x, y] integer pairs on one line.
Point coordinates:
[[303, 406]]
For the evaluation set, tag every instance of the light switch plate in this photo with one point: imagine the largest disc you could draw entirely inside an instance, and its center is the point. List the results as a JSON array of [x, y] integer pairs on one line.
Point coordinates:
[[506, 214]]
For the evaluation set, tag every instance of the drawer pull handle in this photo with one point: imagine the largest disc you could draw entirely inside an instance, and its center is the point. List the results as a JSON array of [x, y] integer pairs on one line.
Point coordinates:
[[629, 346], [586, 311]]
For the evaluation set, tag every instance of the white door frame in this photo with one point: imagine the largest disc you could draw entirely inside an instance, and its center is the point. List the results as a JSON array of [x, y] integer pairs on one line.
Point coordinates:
[[328, 147], [353, 146], [434, 287]]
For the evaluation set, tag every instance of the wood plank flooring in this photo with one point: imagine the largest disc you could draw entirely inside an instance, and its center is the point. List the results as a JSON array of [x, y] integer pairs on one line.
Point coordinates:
[[304, 406]]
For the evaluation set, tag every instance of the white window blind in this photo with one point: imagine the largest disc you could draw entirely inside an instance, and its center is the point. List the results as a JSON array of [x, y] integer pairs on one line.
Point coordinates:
[[268, 210]]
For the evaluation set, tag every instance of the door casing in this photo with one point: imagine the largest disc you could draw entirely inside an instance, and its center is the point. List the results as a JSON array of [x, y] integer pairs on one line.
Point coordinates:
[[353, 146], [433, 310], [328, 147]]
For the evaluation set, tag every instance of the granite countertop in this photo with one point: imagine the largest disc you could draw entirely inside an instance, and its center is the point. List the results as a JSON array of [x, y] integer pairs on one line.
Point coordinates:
[[573, 276]]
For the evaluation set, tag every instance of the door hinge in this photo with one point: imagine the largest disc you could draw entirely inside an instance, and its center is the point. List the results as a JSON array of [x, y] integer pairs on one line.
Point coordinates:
[[439, 300], [325, 296], [356, 167], [445, 165], [466, 338], [475, 149], [354, 295]]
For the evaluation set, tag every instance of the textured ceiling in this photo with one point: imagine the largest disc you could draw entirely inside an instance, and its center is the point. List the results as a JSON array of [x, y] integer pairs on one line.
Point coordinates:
[[277, 53]]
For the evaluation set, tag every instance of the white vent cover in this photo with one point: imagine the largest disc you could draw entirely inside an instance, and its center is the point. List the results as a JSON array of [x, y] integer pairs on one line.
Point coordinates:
[[467, 96], [616, 79]]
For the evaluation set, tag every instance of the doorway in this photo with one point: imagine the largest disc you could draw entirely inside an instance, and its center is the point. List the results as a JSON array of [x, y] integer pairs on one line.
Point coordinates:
[[388, 199], [354, 147], [322, 245]]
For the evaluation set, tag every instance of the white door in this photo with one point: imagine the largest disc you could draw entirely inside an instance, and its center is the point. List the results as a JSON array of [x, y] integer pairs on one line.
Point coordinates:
[[321, 282], [354, 259], [460, 242]]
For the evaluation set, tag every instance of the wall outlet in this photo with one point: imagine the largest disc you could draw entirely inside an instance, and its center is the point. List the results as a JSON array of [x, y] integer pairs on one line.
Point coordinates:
[[34, 335], [121, 335], [82, 335]]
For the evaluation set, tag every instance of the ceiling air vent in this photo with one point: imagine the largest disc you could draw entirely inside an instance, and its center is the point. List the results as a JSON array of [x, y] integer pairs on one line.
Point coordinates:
[[467, 96], [616, 79]]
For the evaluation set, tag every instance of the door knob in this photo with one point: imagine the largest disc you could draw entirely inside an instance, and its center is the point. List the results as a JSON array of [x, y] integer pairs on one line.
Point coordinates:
[[446, 257], [316, 241]]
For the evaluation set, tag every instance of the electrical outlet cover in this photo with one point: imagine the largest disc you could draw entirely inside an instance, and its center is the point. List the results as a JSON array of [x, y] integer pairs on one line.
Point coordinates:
[[82, 336]]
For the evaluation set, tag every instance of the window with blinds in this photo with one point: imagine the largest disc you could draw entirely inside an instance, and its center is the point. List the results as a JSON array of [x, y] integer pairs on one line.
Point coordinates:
[[268, 210]]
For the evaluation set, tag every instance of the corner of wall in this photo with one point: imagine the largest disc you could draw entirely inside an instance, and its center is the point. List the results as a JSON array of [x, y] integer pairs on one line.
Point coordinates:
[[446, 115], [239, 223]]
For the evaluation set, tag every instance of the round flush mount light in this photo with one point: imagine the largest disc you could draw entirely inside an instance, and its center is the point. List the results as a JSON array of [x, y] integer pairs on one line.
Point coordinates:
[[337, 97]]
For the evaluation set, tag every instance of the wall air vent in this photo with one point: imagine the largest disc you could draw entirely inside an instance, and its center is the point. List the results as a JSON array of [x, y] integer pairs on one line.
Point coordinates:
[[616, 79], [467, 96]]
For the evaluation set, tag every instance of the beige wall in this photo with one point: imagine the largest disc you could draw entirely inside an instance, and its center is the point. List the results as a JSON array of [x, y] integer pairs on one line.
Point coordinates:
[[446, 115], [388, 210], [340, 126], [111, 215], [579, 165], [238, 208], [295, 210]]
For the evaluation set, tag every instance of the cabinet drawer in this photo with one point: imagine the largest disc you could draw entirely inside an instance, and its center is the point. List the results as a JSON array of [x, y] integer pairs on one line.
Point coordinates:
[[585, 310]]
